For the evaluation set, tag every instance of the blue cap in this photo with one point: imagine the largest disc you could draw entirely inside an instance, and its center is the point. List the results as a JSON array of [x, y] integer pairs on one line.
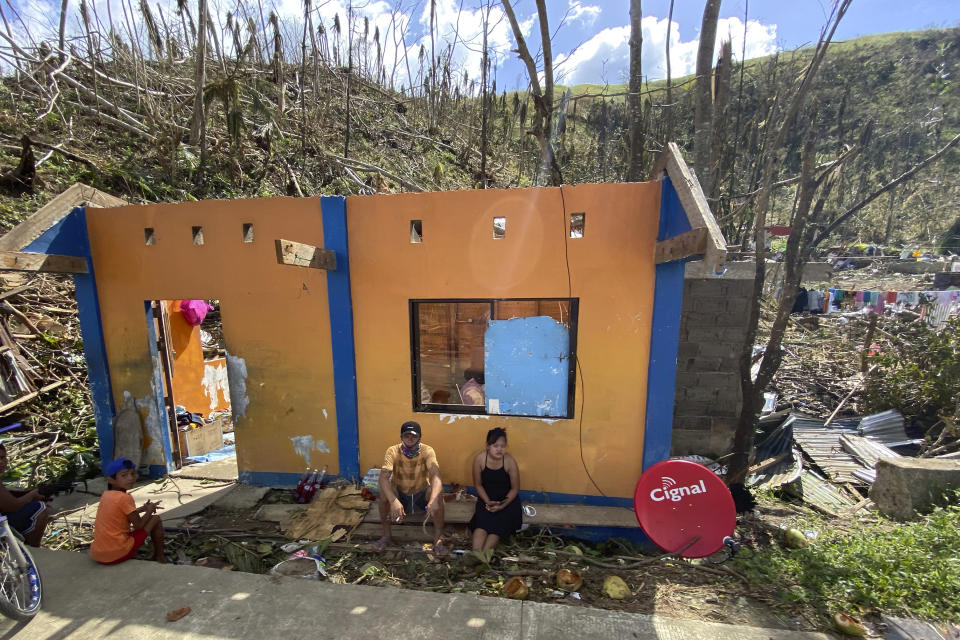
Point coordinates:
[[117, 466]]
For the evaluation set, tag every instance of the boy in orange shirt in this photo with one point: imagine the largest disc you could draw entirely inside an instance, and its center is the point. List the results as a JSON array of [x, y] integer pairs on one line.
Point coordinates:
[[113, 541]]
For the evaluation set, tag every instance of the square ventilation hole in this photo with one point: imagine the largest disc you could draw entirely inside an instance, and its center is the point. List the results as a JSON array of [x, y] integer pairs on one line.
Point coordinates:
[[416, 231], [577, 223], [148, 236], [197, 235], [248, 232], [499, 228]]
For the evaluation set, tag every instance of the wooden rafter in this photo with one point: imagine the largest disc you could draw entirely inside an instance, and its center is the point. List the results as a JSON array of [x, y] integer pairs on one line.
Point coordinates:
[[695, 206], [50, 263], [54, 211]]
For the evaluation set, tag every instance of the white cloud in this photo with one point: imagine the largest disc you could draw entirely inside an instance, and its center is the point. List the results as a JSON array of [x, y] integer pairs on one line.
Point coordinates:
[[605, 58], [587, 14]]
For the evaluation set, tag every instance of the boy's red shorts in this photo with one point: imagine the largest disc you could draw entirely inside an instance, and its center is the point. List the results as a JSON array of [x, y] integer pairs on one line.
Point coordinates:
[[139, 537]]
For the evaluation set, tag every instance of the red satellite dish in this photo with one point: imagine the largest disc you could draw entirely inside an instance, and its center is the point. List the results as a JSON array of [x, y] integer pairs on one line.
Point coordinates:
[[677, 501]]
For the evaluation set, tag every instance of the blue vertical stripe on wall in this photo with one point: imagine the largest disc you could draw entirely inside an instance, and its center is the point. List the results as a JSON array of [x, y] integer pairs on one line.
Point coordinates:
[[69, 237], [334, 213], [664, 334]]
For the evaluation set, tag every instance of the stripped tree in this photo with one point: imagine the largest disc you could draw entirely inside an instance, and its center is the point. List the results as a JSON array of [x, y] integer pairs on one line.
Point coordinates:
[[542, 97]]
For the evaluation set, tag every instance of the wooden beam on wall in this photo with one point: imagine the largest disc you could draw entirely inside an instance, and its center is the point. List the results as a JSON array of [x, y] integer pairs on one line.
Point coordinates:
[[50, 263], [305, 255], [691, 243], [694, 204]]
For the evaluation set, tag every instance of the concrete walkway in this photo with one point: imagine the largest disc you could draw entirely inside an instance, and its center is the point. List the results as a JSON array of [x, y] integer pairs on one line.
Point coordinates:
[[83, 600]]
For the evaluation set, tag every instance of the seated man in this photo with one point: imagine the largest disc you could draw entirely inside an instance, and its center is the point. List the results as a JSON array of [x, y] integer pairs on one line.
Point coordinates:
[[410, 483], [26, 511]]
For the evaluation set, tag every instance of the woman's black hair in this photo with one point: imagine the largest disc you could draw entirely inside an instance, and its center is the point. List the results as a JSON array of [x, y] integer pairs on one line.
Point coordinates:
[[495, 434]]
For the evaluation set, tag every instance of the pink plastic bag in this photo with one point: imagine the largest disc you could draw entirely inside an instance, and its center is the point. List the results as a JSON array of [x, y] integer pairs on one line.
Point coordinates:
[[194, 311]]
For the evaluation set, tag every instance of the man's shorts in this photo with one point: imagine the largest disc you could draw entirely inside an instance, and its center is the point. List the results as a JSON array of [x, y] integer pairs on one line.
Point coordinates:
[[25, 519], [415, 503]]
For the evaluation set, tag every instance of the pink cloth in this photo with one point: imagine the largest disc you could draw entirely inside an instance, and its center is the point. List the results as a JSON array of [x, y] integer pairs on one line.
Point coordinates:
[[194, 311]]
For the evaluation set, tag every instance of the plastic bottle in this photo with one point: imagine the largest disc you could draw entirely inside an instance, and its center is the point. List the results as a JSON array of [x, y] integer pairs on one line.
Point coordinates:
[[307, 494], [315, 485], [298, 492], [311, 488]]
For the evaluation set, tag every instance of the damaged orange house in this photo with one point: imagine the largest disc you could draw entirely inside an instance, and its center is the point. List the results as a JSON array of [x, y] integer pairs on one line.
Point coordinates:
[[553, 312]]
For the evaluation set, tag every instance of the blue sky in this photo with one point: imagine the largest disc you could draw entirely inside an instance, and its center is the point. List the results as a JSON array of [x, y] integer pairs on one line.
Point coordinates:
[[590, 44]]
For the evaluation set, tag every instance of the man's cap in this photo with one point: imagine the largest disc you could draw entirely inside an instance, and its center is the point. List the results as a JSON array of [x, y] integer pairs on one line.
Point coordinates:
[[117, 466], [410, 427]]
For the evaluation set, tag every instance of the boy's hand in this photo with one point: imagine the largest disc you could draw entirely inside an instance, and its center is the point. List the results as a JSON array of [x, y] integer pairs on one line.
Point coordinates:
[[33, 495]]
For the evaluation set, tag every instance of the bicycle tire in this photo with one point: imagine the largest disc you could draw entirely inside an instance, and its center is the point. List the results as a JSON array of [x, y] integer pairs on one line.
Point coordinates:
[[20, 593]]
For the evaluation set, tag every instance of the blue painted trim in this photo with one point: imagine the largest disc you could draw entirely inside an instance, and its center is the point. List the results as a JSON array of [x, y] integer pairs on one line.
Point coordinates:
[[159, 405], [673, 218], [157, 471], [550, 497], [664, 334], [69, 237], [602, 534], [271, 479], [334, 213]]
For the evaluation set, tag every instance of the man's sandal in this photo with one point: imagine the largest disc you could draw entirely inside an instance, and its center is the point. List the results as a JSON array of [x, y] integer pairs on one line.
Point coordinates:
[[380, 545], [440, 550]]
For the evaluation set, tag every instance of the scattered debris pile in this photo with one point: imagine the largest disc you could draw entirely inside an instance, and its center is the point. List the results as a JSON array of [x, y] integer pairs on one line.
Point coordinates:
[[51, 437]]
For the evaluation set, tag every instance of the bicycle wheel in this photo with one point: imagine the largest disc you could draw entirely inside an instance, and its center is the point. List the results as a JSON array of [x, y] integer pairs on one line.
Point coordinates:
[[20, 591]]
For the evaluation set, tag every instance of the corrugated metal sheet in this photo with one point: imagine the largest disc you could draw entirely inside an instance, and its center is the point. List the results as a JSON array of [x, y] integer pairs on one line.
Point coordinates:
[[866, 450], [816, 491], [822, 444], [782, 473], [885, 427]]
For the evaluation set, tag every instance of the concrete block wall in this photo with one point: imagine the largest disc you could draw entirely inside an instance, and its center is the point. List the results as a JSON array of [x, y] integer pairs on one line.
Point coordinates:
[[713, 331]]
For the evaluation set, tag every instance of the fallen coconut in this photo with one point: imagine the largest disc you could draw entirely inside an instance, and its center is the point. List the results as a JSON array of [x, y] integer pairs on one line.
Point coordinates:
[[614, 587], [568, 580], [516, 588], [848, 625], [795, 539]]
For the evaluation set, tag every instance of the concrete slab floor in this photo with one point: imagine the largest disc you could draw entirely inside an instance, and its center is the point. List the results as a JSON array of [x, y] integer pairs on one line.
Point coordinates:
[[179, 497], [242, 497], [131, 600], [225, 469]]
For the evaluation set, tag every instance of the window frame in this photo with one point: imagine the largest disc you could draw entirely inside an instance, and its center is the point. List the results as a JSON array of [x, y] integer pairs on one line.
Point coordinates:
[[415, 373]]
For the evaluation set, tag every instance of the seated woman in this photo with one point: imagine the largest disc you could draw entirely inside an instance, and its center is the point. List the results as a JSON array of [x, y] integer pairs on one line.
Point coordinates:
[[497, 480]]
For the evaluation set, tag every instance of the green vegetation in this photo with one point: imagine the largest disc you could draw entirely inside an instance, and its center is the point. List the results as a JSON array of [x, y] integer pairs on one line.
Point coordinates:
[[910, 569], [921, 377]]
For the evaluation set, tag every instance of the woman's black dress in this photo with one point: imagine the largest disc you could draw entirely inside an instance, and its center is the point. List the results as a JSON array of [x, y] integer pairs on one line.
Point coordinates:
[[503, 523]]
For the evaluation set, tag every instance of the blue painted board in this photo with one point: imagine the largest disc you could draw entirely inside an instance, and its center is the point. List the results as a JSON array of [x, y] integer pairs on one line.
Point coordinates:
[[527, 367]]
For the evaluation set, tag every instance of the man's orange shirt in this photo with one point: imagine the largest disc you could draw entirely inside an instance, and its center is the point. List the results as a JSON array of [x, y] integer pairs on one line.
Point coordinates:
[[111, 531]]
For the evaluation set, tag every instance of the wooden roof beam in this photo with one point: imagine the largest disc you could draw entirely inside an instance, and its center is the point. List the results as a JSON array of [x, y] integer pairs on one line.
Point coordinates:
[[41, 262], [694, 205]]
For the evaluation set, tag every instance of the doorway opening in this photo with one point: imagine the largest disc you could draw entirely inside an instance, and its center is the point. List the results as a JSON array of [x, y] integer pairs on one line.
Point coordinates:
[[192, 372]]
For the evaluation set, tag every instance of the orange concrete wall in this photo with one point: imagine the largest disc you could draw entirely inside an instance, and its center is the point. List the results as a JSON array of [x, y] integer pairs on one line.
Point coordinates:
[[611, 270], [190, 369], [276, 322]]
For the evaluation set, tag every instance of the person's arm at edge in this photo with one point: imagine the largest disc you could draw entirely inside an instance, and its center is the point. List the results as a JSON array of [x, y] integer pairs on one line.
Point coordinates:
[[436, 483], [10, 502]]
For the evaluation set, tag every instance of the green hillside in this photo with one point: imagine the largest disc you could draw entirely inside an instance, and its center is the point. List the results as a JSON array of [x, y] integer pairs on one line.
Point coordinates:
[[281, 128]]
